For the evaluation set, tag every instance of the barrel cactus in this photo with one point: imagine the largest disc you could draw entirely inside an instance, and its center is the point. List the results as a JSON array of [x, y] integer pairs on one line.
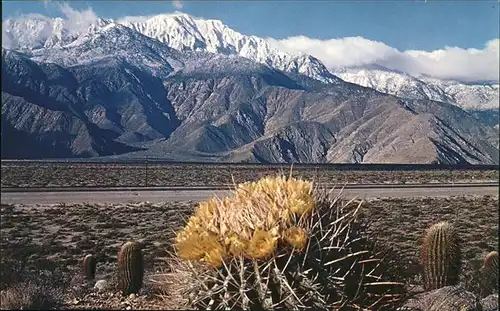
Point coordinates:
[[489, 273], [281, 243], [89, 266], [440, 256], [130, 268]]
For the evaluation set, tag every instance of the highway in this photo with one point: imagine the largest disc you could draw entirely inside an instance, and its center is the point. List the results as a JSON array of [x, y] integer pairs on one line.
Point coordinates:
[[154, 195]]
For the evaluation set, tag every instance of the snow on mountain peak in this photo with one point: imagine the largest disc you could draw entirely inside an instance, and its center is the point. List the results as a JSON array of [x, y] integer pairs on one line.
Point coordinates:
[[35, 31], [476, 97], [184, 32]]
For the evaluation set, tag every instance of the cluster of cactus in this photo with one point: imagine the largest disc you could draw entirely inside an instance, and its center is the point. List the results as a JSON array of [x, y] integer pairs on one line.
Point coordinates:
[[130, 268], [281, 243], [440, 256]]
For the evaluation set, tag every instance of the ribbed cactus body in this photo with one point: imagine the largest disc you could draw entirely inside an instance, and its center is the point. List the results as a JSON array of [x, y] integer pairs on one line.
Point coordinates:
[[89, 267], [282, 244], [440, 256], [489, 274], [130, 268]]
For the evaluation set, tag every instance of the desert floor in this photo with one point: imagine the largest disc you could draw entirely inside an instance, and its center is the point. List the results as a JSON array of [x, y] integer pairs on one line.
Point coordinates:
[[34, 174], [49, 241]]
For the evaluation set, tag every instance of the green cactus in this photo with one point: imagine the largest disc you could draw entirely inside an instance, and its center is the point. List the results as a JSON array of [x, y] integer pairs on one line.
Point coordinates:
[[89, 267], [130, 268], [489, 273], [280, 244], [440, 256]]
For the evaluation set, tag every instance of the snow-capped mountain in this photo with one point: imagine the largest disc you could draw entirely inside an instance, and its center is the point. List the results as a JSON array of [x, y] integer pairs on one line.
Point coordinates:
[[113, 41], [186, 33], [466, 96], [178, 31], [469, 96]]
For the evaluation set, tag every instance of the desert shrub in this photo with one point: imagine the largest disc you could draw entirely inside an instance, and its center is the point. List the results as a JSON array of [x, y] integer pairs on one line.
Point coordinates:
[[278, 243], [27, 296], [26, 285]]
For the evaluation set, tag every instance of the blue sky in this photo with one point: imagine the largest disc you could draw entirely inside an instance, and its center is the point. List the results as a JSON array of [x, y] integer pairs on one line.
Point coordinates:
[[401, 24]]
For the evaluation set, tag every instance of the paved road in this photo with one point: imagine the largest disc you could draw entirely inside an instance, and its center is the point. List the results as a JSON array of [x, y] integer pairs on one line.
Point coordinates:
[[138, 195], [230, 186]]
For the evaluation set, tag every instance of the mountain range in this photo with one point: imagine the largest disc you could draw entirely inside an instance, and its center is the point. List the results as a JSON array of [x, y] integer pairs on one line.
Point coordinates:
[[181, 88]]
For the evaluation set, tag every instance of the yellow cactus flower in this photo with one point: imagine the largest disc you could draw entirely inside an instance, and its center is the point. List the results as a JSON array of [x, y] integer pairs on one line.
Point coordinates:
[[262, 245], [215, 256], [236, 245], [190, 248], [296, 237], [302, 206], [197, 246], [248, 222]]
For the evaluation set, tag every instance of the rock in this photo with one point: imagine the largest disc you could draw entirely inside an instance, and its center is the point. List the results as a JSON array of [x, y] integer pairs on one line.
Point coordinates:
[[101, 285], [132, 296], [448, 298], [490, 303], [128, 307]]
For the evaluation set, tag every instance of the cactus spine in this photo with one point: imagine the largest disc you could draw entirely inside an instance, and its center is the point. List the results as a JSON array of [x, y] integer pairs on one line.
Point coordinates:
[[440, 256], [130, 268], [489, 272], [89, 266]]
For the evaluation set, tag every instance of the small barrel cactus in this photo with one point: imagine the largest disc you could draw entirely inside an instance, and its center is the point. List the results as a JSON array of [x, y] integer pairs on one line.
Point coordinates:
[[130, 268], [281, 243], [89, 266], [440, 256], [489, 273]]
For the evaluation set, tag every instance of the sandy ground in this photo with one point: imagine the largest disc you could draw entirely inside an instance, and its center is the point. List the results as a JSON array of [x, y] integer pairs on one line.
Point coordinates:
[[115, 175], [57, 237]]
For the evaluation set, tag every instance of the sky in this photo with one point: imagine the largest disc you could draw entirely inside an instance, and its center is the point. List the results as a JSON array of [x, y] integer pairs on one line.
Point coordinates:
[[428, 36]]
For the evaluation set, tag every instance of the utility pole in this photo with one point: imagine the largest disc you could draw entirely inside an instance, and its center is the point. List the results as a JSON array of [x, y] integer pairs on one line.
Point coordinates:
[[146, 170]]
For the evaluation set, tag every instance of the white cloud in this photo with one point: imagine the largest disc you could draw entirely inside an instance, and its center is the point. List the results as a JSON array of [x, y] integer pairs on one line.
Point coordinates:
[[447, 63], [78, 21], [177, 4]]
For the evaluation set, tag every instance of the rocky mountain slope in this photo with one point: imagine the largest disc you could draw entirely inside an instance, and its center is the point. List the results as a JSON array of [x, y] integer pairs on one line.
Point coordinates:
[[113, 90]]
